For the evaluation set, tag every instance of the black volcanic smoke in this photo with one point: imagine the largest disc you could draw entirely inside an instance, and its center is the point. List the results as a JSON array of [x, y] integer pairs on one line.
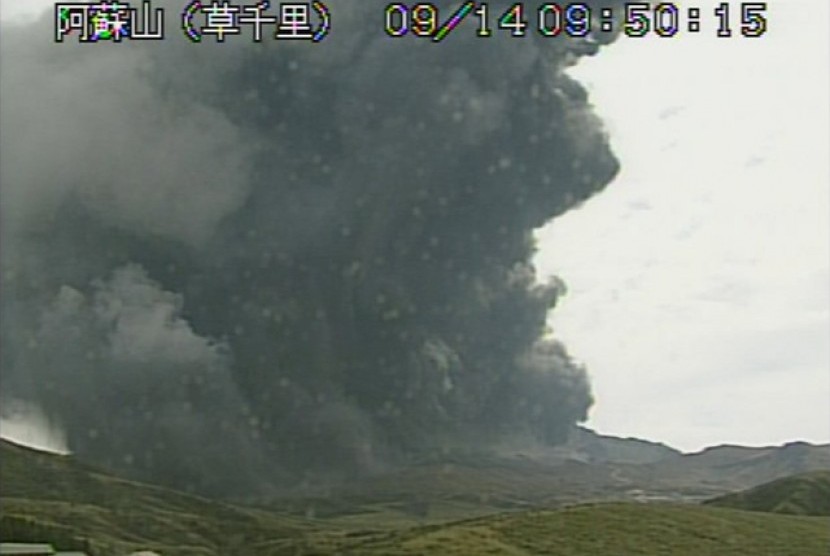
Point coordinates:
[[226, 265]]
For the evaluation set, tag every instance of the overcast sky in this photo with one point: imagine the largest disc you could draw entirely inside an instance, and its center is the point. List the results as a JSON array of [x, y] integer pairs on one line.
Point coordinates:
[[22, 10], [698, 281]]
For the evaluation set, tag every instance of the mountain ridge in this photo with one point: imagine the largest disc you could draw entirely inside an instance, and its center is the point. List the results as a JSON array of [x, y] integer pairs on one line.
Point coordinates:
[[412, 512]]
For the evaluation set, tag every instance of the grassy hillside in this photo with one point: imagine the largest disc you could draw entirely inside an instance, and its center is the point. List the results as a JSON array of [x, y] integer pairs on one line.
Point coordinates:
[[63, 497], [621, 528], [803, 494], [54, 499]]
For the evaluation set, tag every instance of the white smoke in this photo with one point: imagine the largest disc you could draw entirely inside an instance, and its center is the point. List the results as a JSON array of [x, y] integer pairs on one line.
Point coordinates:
[[26, 423]]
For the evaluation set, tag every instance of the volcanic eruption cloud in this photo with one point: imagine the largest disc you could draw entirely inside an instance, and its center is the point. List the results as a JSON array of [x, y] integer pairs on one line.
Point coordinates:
[[238, 264]]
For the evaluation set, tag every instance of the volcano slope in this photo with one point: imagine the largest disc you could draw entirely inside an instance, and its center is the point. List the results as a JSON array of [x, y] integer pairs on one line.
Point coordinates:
[[60, 499]]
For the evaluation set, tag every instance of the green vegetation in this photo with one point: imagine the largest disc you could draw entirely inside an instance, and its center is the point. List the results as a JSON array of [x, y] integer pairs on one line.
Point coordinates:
[[615, 528], [54, 493], [49, 498], [802, 494], [28, 530]]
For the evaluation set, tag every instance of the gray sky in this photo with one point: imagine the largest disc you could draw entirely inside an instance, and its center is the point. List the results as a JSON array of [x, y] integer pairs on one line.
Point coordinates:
[[699, 300], [22, 10]]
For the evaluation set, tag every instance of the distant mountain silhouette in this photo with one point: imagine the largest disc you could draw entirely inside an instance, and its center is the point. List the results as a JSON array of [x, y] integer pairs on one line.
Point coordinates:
[[598, 448]]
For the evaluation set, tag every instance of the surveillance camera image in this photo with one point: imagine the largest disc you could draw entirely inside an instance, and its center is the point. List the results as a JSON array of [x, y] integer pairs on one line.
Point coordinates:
[[414, 278]]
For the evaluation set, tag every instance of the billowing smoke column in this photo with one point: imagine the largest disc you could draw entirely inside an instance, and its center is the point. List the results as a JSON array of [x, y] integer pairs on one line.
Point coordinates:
[[228, 265]]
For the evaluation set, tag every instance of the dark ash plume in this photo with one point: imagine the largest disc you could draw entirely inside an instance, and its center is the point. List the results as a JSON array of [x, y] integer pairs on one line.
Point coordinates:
[[228, 264]]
